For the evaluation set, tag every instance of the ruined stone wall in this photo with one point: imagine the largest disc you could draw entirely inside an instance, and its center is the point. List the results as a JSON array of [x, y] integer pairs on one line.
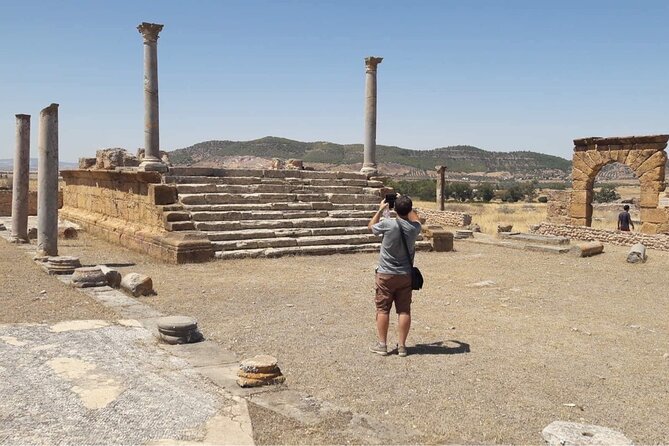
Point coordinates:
[[6, 202], [557, 210], [127, 196], [126, 208], [445, 218], [659, 241]]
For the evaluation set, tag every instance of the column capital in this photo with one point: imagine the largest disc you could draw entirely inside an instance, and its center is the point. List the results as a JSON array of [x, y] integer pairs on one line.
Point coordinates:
[[440, 169], [371, 63], [149, 31]]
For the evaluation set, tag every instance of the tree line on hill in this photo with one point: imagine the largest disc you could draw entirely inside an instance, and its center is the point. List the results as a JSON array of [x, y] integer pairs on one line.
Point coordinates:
[[509, 192]]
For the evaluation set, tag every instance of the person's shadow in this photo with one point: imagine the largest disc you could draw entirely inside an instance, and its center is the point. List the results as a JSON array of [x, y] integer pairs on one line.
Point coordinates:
[[450, 347]]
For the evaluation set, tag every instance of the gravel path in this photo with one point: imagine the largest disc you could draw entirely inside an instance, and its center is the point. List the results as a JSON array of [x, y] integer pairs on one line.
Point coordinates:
[[503, 342]]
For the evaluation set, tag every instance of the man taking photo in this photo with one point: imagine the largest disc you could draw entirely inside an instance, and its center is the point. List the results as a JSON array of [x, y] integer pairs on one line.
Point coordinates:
[[393, 275]]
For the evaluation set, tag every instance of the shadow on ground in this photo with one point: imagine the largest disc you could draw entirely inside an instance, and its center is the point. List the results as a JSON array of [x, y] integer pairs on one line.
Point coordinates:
[[450, 347]]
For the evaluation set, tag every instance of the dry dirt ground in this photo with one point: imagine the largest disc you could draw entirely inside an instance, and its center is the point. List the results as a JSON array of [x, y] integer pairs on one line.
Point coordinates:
[[503, 342]]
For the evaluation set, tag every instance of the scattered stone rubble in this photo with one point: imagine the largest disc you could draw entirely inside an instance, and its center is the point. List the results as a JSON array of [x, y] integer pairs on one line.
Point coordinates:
[[137, 285], [261, 370], [637, 254]]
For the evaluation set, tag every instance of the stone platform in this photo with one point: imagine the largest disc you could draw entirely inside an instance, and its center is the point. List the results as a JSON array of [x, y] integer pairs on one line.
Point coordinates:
[[272, 213], [196, 214]]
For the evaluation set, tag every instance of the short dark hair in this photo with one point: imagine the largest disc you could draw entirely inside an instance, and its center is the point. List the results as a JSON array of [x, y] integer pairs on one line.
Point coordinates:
[[626, 207], [403, 205]]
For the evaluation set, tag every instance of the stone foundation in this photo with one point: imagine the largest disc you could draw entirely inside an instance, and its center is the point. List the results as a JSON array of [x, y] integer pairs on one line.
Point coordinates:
[[445, 218], [659, 241], [128, 208], [6, 202]]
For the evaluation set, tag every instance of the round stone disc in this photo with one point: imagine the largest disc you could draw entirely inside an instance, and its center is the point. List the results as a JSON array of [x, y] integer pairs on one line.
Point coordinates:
[[177, 323], [259, 364]]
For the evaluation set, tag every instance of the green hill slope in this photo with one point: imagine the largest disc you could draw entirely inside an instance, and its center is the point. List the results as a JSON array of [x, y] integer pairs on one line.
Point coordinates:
[[457, 158]]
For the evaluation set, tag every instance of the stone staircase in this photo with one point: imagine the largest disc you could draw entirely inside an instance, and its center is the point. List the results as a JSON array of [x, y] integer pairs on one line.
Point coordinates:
[[272, 213]]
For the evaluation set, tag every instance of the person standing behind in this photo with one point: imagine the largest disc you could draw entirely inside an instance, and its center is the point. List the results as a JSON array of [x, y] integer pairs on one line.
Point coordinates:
[[625, 219], [393, 275]]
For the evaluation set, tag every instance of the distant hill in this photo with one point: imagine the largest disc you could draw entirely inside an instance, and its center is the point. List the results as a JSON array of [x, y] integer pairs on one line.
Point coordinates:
[[466, 159], [7, 164]]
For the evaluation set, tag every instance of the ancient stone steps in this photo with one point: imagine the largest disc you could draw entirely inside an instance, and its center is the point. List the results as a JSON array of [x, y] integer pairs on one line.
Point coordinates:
[[240, 180], [285, 206], [262, 173], [282, 242], [308, 250], [214, 216], [270, 188], [243, 198], [245, 234], [256, 215], [271, 213], [277, 224]]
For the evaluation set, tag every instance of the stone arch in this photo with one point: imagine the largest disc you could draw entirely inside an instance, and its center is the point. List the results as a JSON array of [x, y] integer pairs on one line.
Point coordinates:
[[645, 155]]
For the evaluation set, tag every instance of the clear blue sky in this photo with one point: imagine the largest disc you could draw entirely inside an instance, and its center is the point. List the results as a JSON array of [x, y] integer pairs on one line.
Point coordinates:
[[500, 75]]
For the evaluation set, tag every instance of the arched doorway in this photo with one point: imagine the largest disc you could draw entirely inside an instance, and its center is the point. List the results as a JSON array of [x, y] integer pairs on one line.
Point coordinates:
[[647, 158]]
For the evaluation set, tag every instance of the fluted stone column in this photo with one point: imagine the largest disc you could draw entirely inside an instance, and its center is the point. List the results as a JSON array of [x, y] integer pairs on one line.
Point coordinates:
[[47, 182], [21, 180], [152, 160], [369, 163], [440, 186]]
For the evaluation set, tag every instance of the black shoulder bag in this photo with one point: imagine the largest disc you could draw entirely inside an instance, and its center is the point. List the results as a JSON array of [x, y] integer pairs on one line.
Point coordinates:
[[416, 276]]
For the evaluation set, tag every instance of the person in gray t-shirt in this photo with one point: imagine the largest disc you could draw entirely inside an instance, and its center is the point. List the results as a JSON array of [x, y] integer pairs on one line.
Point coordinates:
[[393, 275]]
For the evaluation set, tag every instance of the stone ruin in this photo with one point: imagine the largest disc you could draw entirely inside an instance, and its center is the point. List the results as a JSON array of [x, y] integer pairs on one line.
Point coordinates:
[[570, 212]]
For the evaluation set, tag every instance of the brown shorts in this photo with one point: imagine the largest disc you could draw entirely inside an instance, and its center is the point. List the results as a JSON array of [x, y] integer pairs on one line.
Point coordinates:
[[393, 288]]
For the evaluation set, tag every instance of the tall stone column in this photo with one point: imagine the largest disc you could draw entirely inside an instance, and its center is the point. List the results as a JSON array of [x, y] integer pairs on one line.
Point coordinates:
[[440, 186], [369, 163], [21, 180], [47, 182], [152, 160]]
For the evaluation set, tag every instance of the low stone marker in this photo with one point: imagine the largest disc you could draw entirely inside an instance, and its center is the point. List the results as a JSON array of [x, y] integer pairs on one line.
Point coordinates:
[[261, 370], [113, 277], [67, 232], [178, 330], [32, 233], [137, 284], [563, 433], [442, 240], [637, 254], [504, 228], [61, 264], [90, 276], [588, 249]]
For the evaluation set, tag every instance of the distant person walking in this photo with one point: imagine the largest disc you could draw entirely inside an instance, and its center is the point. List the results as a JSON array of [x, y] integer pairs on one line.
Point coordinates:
[[625, 219], [393, 275]]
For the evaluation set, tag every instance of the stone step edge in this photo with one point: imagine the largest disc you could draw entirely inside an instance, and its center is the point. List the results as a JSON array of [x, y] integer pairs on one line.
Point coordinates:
[[307, 250], [555, 249]]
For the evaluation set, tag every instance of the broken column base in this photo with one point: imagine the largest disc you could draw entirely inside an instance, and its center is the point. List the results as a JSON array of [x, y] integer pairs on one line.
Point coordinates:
[[60, 264], [261, 370]]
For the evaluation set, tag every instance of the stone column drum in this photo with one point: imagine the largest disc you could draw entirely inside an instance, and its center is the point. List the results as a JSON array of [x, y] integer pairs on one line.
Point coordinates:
[[47, 182], [440, 186], [369, 162], [151, 161], [21, 180]]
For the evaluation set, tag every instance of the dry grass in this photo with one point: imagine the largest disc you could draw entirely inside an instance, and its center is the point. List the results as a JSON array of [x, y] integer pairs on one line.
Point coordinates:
[[489, 215]]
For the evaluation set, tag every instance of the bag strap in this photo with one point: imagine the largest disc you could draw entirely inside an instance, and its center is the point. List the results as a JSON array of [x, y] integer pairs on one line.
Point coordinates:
[[404, 241]]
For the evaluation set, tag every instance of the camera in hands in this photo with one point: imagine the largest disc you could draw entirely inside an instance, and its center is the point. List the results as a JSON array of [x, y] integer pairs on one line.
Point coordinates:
[[390, 199]]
